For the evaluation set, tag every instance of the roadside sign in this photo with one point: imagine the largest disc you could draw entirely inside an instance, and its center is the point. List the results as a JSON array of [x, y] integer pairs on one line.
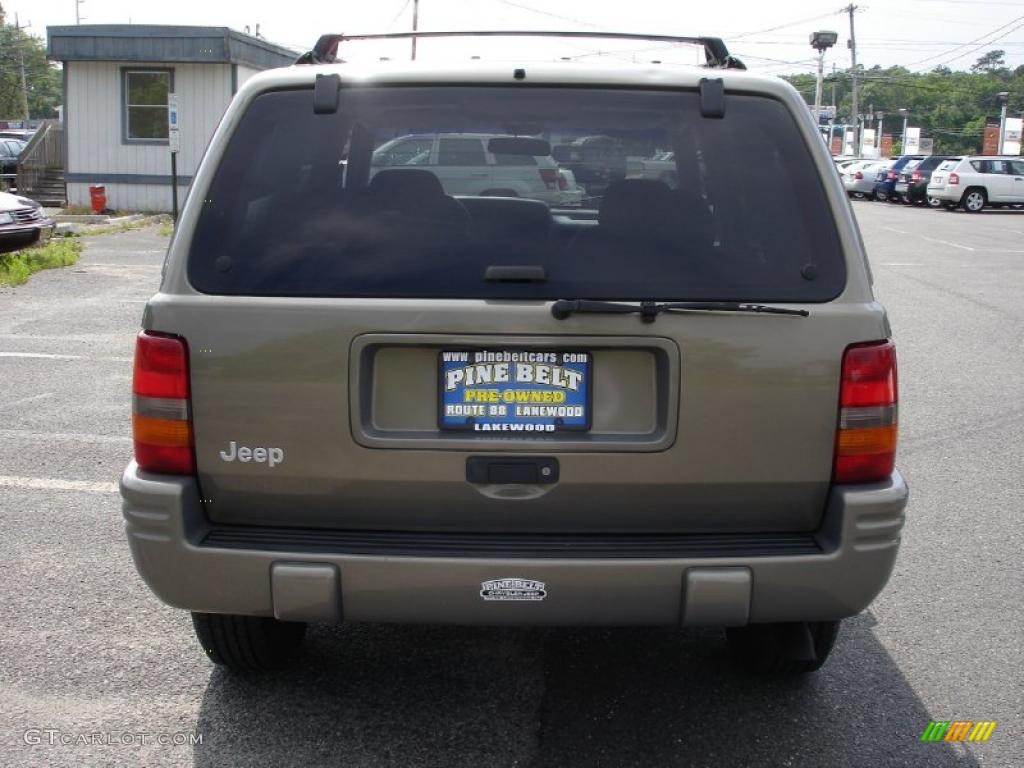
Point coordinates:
[[867, 143], [1012, 136], [172, 122], [991, 142], [913, 141]]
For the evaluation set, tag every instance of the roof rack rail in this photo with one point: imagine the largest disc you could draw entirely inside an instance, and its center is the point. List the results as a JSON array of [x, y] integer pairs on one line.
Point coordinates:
[[716, 54]]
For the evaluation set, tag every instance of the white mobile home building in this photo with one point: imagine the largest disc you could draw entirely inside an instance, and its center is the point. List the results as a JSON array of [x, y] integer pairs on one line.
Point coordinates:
[[117, 79]]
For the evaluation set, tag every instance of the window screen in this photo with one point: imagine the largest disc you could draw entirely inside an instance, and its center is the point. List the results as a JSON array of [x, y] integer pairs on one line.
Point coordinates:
[[145, 108], [315, 205]]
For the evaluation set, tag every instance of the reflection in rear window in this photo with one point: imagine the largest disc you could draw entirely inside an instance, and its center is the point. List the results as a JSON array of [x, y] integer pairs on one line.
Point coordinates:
[[397, 195]]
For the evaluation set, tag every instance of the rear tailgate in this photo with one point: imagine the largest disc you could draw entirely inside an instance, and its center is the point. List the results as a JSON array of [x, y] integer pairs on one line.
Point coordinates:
[[317, 339]]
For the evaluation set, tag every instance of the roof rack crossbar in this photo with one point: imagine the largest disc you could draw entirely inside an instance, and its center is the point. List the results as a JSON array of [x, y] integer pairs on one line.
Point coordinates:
[[716, 54]]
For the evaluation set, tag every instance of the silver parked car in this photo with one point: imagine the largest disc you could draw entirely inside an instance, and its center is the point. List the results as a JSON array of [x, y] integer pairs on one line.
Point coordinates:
[[369, 396], [859, 177]]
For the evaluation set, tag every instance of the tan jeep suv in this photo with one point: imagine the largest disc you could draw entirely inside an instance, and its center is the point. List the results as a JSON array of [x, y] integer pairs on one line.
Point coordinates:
[[362, 396]]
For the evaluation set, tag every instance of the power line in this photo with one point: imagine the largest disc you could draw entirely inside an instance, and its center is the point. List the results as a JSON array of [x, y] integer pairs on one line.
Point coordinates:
[[549, 14], [398, 15], [972, 42], [781, 26]]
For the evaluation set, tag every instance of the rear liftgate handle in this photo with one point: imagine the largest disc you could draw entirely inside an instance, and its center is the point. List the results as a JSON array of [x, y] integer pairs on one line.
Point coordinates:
[[512, 477]]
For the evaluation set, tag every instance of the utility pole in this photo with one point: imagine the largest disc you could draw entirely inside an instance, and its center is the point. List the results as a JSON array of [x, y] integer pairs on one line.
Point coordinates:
[[415, 24], [852, 43], [78, 16], [21, 61], [834, 85]]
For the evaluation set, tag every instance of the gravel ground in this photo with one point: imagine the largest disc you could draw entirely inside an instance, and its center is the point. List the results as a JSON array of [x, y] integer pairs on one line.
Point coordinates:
[[88, 656]]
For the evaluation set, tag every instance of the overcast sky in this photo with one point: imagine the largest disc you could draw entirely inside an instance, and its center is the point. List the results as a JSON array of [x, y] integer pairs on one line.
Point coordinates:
[[770, 36]]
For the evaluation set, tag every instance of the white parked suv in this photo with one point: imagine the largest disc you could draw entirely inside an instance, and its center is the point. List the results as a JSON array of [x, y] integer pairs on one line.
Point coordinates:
[[482, 164], [976, 181]]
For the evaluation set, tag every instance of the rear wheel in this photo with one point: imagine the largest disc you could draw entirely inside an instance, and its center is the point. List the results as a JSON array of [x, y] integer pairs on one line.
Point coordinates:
[[881, 195], [247, 643], [783, 649], [974, 200], [934, 202]]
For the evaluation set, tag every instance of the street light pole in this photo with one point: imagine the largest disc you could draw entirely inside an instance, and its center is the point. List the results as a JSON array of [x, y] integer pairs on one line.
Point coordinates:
[[821, 42], [903, 141], [415, 24], [820, 84], [1003, 97]]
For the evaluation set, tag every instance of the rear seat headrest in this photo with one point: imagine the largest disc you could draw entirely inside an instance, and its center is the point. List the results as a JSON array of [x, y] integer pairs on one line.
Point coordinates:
[[402, 184]]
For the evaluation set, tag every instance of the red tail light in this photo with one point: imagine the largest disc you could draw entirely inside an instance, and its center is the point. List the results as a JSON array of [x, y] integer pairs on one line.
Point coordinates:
[[161, 408], [551, 177], [562, 183], [915, 176], [954, 179], [866, 438], [858, 175]]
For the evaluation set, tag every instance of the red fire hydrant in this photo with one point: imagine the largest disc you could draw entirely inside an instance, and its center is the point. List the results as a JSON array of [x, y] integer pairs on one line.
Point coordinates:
[[98, 198]]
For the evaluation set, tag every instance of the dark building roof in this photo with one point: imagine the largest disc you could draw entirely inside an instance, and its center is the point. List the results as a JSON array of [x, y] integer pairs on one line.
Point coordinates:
[[157, 43]]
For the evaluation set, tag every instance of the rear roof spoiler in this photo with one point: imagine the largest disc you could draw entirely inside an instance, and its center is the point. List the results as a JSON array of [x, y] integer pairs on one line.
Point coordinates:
[[716, 54]]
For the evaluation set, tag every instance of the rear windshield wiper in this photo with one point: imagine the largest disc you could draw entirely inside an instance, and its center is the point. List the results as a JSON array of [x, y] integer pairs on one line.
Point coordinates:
[[649, 310]]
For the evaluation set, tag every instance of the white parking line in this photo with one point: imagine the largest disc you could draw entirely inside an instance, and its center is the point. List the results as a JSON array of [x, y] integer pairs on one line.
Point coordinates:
[[897, 231], [47, 356], [25, 400], [55, 484], [947, 242]]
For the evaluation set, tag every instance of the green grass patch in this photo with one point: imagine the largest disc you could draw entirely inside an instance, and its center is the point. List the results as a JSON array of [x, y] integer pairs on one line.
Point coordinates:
[[166, 229], [17, 266]]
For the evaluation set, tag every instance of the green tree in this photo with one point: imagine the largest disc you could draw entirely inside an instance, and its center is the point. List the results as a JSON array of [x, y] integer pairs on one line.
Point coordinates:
[[993, 61], [42, 78]]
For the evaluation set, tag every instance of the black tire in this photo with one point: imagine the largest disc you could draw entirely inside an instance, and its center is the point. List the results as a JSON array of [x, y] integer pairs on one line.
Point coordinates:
[[247, 643], [881, 196], [974, 200], [783, 649], [934, 203]]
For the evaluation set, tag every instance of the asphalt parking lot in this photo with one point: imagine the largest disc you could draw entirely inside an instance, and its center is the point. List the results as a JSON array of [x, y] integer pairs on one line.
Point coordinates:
[[86, 651]]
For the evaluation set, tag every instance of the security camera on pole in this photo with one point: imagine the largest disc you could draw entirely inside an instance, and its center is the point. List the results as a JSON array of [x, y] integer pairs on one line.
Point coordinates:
[[821, 42]]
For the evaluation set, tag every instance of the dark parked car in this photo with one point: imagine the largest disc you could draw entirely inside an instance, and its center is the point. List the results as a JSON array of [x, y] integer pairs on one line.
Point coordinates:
[[912, 184], [10, 149], [885, 183]]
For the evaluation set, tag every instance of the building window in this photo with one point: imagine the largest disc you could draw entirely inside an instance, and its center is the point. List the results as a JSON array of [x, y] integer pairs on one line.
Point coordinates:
[[145, 105]]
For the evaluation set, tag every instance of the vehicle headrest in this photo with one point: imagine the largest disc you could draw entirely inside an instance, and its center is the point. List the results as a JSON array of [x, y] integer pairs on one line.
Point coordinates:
[[640, 205], [402, 184]]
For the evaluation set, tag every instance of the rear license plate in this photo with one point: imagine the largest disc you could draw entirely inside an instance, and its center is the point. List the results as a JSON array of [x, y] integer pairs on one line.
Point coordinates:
[[901, 187], [514, 391]]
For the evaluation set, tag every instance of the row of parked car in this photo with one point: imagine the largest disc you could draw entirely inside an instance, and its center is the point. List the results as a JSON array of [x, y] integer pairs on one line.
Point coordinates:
[[971, 182]]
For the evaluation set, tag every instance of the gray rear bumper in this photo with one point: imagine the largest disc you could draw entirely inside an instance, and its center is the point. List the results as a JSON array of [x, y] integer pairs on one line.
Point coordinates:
[[855, 552]]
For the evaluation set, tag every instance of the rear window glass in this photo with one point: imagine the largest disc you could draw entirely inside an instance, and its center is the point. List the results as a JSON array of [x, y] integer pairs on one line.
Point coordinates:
[[393, 196], [949, 165]]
